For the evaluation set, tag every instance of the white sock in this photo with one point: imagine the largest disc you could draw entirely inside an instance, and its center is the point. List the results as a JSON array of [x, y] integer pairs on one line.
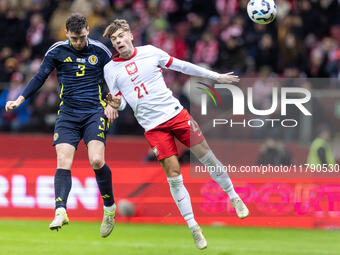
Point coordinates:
[[60, 210], [218, 174], [182, 199], [110, 208]]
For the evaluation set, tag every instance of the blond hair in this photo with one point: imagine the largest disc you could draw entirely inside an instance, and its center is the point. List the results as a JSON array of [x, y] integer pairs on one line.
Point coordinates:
[[115, 25]]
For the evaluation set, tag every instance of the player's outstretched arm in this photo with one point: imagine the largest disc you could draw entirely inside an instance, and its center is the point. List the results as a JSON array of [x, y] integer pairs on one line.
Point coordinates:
[[188, 68], [11, 105], [34, 84], [195, 70], [46, 67]]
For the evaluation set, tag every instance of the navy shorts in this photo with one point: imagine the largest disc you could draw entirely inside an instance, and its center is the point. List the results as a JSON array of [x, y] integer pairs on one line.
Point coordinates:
[[72, 127]]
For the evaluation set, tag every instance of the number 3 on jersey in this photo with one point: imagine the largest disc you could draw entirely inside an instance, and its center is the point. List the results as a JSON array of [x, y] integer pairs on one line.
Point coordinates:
[[81, 70], [139, 92]]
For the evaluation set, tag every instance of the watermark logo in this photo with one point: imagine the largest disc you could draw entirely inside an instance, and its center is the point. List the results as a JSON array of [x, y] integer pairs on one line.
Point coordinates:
[[204, 97], [287, 96]]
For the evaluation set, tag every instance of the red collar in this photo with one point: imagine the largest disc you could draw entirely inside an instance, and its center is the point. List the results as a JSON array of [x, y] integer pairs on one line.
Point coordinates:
[[116, 57]]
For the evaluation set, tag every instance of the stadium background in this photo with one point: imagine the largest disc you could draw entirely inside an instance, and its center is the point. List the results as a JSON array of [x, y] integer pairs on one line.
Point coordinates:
[[303, 41]]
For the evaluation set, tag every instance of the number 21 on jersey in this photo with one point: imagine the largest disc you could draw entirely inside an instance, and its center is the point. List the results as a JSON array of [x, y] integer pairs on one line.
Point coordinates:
[[139, 91]]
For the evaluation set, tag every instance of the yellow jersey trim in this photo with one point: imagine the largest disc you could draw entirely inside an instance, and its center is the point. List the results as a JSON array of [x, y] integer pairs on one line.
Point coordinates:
[[102, 102]]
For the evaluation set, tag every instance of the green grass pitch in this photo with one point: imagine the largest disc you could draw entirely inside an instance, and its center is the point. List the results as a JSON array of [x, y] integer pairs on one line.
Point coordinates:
[[35, 238]]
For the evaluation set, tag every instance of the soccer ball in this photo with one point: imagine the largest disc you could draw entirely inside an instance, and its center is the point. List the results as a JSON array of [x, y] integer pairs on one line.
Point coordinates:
[[262, 11], [126, 208]]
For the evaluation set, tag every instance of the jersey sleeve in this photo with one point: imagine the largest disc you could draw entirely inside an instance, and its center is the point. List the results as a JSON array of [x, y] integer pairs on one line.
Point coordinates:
[[109, 78], [164, 59], [123, 103], [40, 77], [169, 62], [105, 53], [111, 83]]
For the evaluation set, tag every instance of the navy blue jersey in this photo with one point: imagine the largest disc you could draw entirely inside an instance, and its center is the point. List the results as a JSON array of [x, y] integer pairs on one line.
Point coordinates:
[[80, 75]]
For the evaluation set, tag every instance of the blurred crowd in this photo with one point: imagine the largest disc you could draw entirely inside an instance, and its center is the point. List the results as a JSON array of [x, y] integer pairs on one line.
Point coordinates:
[[303, 41]]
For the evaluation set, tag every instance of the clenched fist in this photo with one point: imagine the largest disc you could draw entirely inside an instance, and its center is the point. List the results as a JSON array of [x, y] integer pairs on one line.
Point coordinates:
[[11, 105]]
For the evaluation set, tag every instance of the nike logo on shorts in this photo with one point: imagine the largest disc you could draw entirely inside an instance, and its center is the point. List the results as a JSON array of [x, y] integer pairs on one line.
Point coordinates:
[[179, 200]]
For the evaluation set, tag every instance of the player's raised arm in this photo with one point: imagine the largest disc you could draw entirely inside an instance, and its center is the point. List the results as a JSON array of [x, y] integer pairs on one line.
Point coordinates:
[[34, 84], [166, 61]]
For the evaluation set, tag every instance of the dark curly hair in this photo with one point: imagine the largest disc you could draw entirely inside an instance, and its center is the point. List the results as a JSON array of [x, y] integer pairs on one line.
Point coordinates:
[[75, 23]]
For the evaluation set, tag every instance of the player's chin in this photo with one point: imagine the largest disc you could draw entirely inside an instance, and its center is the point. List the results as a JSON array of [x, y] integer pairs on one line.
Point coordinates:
[[121, 53], [124, 51], [79, 47]]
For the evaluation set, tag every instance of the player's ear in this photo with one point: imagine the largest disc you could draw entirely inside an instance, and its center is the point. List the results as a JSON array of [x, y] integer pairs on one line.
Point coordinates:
[[131, 36], [66, 32], [88, 30]]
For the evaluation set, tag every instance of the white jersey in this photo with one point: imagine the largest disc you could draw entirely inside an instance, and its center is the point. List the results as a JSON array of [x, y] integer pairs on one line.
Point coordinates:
[[140, 81]]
